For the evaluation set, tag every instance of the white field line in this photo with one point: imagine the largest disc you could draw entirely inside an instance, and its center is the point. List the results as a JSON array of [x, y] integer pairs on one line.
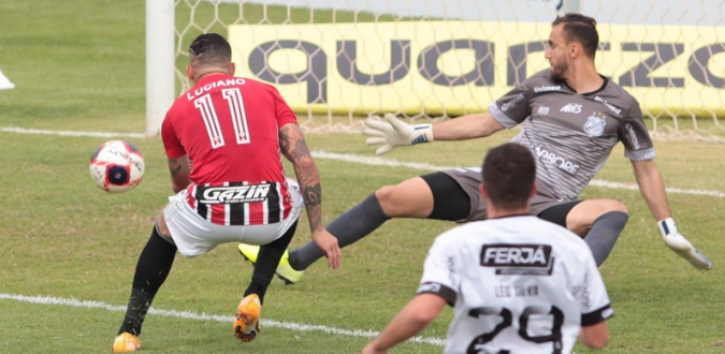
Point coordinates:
[[71, 133], [377, 161], [364, 160], [300, 327]]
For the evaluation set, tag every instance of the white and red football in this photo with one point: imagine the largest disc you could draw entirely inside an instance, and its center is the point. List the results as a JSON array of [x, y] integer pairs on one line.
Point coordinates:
[[117, 166]]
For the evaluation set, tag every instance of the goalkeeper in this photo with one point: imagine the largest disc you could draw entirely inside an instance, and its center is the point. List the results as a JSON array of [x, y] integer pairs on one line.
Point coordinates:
[[571, 119]]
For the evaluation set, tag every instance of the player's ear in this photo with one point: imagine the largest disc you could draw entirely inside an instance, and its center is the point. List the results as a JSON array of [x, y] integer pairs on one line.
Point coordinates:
[[575, 49], [534, 189], [484, 191], [233, 69], [190, 72]]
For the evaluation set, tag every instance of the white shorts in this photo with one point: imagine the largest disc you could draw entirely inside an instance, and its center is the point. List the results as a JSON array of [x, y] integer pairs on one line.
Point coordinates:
[[193, 235]]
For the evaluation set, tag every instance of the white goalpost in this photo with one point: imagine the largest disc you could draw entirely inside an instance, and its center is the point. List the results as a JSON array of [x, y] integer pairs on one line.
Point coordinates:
[[160, 58], [335, 61]]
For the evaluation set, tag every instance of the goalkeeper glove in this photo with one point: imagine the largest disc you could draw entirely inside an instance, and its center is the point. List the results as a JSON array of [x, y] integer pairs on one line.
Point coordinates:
[[681, 246], [395, 132]]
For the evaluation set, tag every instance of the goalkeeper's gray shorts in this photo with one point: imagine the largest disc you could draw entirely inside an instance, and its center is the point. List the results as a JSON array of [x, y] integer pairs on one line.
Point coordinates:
[[470, 178]]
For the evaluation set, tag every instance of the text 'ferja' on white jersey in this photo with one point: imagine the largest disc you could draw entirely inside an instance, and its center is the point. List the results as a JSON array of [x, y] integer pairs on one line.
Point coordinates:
[[517, 284]]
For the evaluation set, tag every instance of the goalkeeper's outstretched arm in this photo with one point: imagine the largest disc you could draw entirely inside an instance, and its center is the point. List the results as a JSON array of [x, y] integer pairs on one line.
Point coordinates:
[[652, 188], [466, 127], [393, 132]]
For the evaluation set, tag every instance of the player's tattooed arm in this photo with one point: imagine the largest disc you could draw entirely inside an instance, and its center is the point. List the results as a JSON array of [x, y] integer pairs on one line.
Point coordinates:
[[313, 197], [174, 167], [179, 170], [294, 147]]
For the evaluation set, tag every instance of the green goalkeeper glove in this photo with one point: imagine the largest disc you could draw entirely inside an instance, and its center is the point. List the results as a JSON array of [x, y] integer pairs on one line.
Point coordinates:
[[681, 246], [395, 132]]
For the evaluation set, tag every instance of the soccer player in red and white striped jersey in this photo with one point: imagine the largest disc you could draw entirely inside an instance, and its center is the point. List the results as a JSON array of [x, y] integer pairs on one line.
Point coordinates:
[[224, 140], [238, 177]]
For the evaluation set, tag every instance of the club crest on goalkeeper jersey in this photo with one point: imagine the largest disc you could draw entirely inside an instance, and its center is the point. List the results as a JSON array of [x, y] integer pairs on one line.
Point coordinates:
[[518, 285], [229, 129], [571, 134]]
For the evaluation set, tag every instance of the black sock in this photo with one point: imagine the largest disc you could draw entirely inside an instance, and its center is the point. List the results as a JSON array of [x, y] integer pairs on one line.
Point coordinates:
[[349, 227], [604, 234], [267, 261], [152, 268]]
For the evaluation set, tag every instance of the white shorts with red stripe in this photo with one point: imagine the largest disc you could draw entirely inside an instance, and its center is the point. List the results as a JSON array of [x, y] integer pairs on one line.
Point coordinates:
[[194, 235]]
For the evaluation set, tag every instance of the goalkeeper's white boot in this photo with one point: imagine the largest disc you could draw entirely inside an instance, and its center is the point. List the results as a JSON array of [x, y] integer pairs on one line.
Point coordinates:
[[246, 325], [126, 342], [284, 269], [680, 245]]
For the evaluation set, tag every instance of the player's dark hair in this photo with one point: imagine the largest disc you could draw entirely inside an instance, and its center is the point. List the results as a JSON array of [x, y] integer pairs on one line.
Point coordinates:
[[210, 48], [582, 29], [508, 173]]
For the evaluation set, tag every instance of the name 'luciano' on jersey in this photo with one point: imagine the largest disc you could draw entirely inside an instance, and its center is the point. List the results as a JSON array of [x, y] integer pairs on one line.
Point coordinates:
[[198, 91]]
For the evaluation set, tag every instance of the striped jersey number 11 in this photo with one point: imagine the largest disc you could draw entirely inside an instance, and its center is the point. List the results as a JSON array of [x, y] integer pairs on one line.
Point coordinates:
[[233, 97]]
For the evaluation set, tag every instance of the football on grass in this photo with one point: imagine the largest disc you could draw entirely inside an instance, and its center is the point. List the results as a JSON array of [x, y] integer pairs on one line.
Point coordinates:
[[117, 166]]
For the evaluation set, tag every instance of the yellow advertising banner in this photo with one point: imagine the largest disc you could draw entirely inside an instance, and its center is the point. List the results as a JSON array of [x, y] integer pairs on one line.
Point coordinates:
[[457, 67]]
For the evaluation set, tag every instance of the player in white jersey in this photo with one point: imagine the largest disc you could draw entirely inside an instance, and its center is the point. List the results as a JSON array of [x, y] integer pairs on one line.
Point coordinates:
[[517, 284], [571, 117]]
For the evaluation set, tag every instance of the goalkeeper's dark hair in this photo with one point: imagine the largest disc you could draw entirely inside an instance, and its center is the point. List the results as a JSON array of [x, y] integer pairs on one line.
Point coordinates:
[[210, 48], [582, 29], [509, 172]]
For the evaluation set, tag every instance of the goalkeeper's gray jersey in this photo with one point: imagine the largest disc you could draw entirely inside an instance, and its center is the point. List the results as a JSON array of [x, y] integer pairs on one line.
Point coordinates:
[[518, 285], [570, 134]]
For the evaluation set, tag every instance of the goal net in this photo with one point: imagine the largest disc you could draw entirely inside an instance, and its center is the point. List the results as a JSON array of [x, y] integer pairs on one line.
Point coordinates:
[[335, 61]]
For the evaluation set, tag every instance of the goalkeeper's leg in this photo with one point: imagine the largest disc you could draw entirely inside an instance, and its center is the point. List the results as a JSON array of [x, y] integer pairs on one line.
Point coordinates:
[[600, 222], [435, 196]]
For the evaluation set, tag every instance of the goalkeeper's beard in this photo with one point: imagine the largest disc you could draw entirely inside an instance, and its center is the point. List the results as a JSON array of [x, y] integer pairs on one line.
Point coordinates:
[[558, 70]]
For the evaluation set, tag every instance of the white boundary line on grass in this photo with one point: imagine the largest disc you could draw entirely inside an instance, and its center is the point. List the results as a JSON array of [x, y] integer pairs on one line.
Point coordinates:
[[364, 160], [377, 161], [17, 130], [300, 327]]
